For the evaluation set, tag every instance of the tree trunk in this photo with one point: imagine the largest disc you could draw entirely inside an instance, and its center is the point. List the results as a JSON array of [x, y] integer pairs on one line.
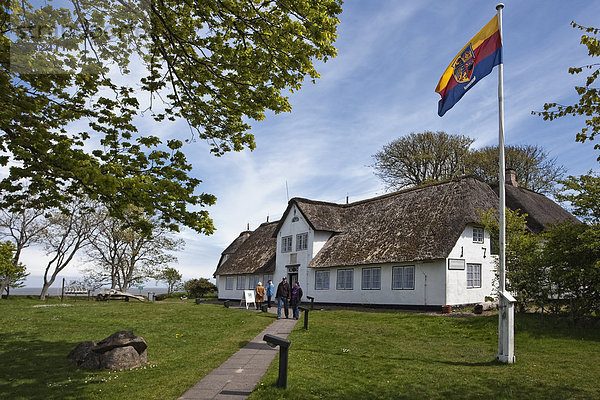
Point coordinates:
[[3, 284]]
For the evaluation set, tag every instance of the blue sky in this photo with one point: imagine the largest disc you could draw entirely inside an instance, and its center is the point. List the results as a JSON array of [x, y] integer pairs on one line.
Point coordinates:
[[381, 86]]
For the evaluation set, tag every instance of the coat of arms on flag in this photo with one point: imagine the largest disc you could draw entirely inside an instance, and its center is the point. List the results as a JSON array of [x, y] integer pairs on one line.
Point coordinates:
[[463, 66]]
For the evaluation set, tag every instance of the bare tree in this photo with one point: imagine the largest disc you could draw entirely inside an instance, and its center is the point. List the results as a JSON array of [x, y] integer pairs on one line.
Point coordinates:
[[125, 256], [420, 158], [534, 168], [68, 232], [23, 225]]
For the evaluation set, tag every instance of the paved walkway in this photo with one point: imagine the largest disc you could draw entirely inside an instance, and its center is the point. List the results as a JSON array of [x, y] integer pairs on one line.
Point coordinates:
[[236, 378]]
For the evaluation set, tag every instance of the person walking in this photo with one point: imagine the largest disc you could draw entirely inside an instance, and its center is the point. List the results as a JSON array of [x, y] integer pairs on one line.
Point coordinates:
[[270, 292], [296, 299], [283, 298], [260, 295]]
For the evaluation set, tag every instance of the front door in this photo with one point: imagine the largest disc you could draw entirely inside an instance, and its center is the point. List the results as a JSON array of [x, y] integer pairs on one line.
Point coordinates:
[[292, 279]]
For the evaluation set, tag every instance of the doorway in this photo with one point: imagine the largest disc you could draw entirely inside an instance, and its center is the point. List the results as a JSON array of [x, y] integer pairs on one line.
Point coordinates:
[[292, 279]]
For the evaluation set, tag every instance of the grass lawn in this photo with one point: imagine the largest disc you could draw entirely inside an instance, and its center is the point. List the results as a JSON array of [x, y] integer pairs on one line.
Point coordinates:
[[363, 355], [185, 342]]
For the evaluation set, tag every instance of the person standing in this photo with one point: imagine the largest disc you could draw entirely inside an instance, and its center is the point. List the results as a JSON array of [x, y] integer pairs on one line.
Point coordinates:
[[283, 298], [296, 299], [270, 292], [260, 295]]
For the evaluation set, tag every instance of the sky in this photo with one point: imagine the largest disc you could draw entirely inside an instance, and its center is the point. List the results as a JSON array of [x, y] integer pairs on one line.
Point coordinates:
[[381, 86]]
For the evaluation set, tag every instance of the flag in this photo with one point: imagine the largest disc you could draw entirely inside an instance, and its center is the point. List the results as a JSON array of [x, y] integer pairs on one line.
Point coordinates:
[[471, 64]]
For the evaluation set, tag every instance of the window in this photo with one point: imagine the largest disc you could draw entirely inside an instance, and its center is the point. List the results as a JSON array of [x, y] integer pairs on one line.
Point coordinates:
[[403, 278], [473, 275], [229, 282], [321, 280], [241, 282], [302, 241], [477, 235], [286, 244], [345, 279], [267, 278], [371, 279], [253, 281]]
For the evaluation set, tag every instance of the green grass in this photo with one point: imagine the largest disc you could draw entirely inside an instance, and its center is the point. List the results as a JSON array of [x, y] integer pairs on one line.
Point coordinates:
[[359, 355], [185, 342], [344, 355]]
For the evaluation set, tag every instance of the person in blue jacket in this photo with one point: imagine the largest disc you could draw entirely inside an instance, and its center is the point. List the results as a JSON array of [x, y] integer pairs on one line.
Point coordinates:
[[270, 292]]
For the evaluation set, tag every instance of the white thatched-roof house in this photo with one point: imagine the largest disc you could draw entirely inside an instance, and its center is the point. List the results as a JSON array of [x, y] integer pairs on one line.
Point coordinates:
[[422, 246]]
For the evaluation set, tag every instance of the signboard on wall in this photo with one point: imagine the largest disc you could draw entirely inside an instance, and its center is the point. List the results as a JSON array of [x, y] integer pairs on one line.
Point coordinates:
[[455, 263]]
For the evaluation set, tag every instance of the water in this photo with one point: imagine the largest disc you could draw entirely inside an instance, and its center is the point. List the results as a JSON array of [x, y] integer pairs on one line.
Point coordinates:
[[56, 291]]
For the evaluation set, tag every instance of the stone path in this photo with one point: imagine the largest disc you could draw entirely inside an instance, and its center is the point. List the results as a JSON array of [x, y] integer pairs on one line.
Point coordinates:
[[236, 378]]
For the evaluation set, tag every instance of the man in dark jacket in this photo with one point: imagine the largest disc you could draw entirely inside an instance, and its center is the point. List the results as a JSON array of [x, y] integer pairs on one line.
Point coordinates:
[[283, 297]]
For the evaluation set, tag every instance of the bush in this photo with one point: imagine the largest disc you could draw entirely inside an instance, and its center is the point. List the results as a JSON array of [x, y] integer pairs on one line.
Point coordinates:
[[199, 287], [174, 295]]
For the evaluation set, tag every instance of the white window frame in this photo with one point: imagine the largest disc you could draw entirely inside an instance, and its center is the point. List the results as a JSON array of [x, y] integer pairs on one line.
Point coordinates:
[[403, 277], [478, 235], [241, 282], [473, 276], [371, 278], [229, 281], [302, 241], [267, 278], [286, 244], [253, 281], [345, 279], [322, 280]]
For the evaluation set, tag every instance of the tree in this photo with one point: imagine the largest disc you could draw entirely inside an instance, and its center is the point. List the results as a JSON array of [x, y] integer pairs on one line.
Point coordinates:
[[589, 96], [23, 225], [573, 254], [199, 287], [171, 276], [10, 273], [420, 158], [66, 234], [215, 64], [534, 169], [526, 275], [125, 256]]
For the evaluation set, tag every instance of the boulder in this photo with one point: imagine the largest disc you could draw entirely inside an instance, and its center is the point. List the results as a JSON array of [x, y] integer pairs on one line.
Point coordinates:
[[83, 356], [120, 339], [121, 350], [121, 358]]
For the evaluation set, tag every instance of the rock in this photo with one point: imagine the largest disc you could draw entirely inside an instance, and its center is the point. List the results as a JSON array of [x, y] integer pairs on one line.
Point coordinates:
[[83, 356], [489, 305], [120, 358], [121, 339], [121, 350]]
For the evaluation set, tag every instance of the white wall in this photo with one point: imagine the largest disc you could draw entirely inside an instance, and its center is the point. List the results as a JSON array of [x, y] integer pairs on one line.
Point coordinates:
[[303, 257], [465, 249], [429, 286]]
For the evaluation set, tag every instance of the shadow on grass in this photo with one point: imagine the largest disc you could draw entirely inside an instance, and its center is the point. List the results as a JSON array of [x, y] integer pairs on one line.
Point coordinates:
[[540, 326], [34, 369]]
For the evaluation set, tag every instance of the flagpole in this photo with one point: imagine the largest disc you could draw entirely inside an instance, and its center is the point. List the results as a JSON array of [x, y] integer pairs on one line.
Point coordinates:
[[506, 306]]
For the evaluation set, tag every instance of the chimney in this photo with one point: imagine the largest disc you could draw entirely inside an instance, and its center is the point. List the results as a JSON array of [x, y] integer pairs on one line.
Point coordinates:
[[511, 177]]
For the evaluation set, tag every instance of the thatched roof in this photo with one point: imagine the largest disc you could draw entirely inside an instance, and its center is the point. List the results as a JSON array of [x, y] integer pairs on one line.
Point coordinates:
[[253, 254], [417, 224], [541, 211], [421, 223]]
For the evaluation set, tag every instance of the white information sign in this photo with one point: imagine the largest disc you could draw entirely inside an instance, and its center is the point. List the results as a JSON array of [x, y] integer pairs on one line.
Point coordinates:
[[248, 298]]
